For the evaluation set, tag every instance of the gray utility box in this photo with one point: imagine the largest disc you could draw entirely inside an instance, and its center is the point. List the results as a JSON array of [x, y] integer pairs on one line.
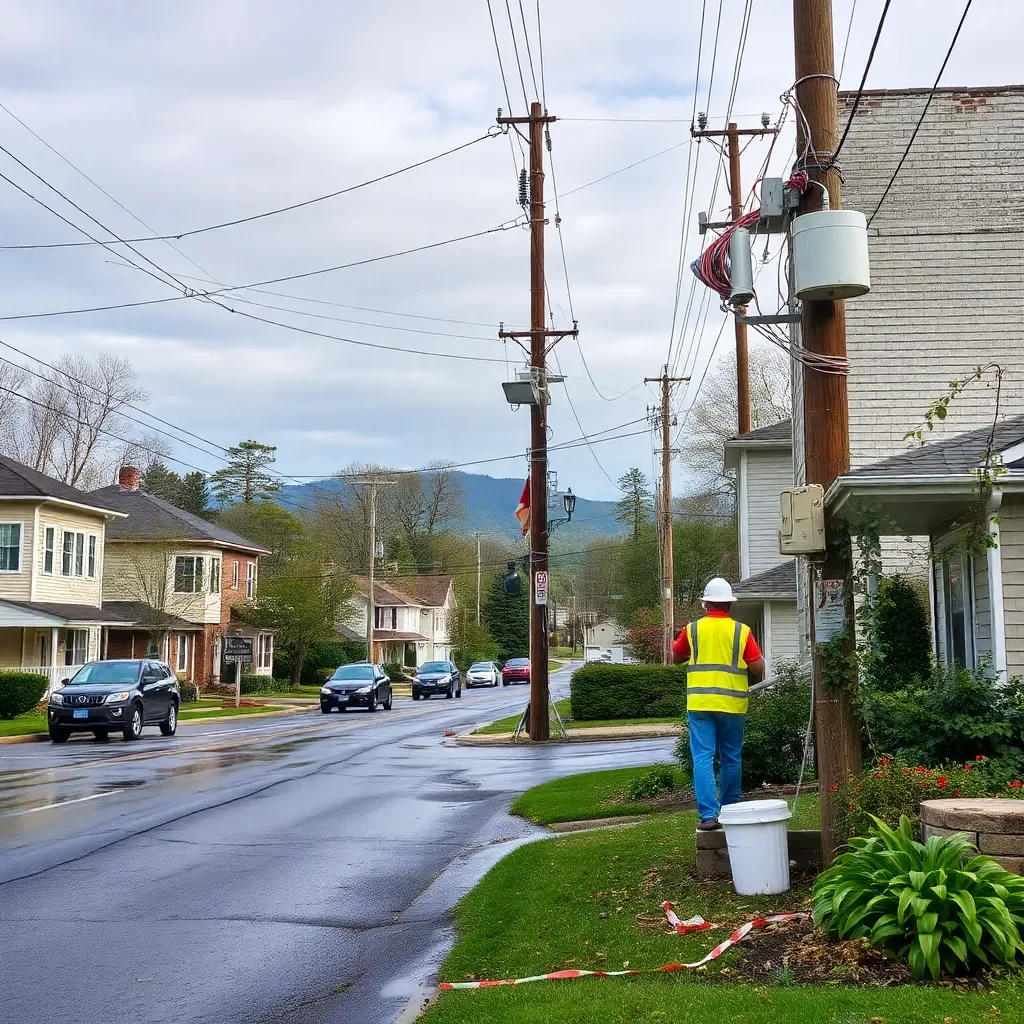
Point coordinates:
[[803, 520]]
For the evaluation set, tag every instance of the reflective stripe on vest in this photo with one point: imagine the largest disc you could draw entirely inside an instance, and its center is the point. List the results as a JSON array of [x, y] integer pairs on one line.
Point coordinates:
[[716, 677]]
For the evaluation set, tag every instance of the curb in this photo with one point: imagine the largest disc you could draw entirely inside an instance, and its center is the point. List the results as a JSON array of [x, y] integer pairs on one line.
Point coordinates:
[[504, 739], [595, 824], [29, 737]]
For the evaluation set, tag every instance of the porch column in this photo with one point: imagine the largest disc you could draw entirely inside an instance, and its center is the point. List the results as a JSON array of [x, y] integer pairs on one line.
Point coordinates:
[[53, 657], [995, 591]]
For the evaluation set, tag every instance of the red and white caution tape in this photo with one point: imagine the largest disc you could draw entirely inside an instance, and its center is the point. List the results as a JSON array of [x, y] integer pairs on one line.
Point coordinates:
[[691, 924], [737, 936]]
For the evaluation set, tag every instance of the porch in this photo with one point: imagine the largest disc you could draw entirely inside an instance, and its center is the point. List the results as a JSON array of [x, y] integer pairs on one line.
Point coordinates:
[[394, 647]]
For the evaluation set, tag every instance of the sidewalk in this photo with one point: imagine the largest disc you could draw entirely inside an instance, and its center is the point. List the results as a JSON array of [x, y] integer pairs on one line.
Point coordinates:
[[593, 735]]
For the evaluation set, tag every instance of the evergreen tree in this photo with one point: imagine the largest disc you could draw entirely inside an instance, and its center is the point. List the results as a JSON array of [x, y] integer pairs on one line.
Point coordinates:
[[162, 482], [901, 635], [246, 477], [508, 618], [636, 504], [193, 494]]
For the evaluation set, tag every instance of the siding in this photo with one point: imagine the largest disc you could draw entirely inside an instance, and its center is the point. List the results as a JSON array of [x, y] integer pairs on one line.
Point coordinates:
[[70, 589], [1011, 536], [17, 585], [947, 263], [768, 471], [10, 647], [145, 572], [982, 610], [785, 634]]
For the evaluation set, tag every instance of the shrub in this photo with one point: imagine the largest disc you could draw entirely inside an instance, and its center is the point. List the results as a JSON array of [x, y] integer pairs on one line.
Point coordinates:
[[189, 692], [902, 637], [894, 788], [20, 692], [599, 691], [952, 714], [645, 637], [659, 779], [263, 686], [776, 728], [934, 905], [330, 656], [395, 672]]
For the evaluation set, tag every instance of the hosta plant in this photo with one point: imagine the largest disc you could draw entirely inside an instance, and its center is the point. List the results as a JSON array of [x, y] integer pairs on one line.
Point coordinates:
[[937, 906]]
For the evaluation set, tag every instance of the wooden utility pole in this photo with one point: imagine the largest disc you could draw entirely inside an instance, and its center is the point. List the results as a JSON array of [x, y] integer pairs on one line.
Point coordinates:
[[826, 412], [538, 724], [732, 140], [372, 483], [668, 604]]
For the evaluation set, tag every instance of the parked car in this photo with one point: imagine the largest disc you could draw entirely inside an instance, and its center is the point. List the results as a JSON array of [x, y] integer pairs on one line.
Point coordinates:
[[483, 673], [353, 686], [516, 670], [115, 694], [437, 677]]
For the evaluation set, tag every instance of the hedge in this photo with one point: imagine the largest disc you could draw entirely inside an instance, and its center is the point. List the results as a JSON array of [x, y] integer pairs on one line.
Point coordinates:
[[600, 691], [320, 656], [263, 686], [20, 692]]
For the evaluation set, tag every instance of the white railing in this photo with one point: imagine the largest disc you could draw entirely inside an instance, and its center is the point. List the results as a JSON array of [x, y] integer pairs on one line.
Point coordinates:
[[55, 673]]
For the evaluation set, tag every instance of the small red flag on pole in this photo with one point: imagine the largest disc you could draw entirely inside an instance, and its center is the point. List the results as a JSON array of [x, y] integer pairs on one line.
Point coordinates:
[[523, 508]]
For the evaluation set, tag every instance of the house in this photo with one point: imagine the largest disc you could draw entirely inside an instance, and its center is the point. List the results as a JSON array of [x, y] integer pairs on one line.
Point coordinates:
[[976, 596], [52, 545], [605, 633], [179, 579], [766, 592], [410, 618]]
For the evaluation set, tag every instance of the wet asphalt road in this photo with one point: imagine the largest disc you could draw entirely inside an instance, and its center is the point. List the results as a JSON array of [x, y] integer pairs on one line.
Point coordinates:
[[292, 870]]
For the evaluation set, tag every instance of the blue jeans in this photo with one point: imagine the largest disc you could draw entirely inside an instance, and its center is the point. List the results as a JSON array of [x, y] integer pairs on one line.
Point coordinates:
[[712, 731]]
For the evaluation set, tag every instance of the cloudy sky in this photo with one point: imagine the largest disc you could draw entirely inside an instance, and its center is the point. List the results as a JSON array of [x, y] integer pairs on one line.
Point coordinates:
[[190, 114]]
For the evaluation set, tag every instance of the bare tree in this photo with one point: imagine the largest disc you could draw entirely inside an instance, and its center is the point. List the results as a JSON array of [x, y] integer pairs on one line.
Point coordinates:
[[12, 408]]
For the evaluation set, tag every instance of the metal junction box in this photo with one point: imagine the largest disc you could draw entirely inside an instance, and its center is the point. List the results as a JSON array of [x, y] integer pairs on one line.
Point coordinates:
[[803, 520]]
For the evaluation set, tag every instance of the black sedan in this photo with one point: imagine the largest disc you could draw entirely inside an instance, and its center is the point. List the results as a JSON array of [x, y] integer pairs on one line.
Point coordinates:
[[356, 686], [437, 677], [122, 695]]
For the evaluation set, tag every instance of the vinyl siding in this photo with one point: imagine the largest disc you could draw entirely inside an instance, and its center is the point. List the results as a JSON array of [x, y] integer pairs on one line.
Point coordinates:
[[10, 647], [57, 587], [1011, 538], [16, 586], [785, 634], [145, 572], [768, 472], [982, 610], [947, 263]]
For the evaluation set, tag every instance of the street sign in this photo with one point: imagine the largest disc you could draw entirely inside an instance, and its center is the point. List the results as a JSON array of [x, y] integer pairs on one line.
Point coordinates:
[[238, 648], [829, 609], [540, 587]]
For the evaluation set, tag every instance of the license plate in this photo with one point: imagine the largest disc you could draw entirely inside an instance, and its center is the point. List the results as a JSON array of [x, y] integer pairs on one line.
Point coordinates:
[[80, 713], [341, 697]]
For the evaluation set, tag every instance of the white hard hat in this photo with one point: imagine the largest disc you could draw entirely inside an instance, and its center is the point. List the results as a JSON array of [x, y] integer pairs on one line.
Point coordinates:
[[719, 591]]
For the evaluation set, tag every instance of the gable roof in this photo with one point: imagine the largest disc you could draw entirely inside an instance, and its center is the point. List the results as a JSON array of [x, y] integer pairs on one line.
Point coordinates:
[[384, 593], [779, 581], [430, 590], [152, 519], [957, 455], [774, 433], [20, 481]]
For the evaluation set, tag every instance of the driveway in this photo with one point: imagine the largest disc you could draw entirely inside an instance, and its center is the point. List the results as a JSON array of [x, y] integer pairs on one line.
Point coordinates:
[[293, 870]]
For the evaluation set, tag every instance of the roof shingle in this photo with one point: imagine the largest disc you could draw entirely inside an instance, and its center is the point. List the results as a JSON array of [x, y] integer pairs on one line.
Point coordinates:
[[20, 481], [781, 432], [780, 579]]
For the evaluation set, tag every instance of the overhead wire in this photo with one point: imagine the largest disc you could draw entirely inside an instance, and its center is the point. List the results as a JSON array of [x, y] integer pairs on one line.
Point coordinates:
[[920, 120], [529, 50], [846, 44], [508, 96], [515, 50]]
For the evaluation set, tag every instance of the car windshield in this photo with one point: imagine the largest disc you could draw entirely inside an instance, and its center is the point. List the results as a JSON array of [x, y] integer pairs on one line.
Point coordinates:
[[107, 672], [434, 666], [517, 662], [480, 666], [353, 672]]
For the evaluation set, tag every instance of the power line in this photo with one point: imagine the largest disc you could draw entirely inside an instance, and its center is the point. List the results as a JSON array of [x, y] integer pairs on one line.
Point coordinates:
[[863, 78], [529, 51], [540, 49], [491, 133], [515, 49], [628, 167], [846, 45], [576, 417], [920, 120], [508, 96]]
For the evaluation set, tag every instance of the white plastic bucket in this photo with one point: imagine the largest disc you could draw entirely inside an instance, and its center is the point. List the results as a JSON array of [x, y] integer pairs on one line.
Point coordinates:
[[755, 832]]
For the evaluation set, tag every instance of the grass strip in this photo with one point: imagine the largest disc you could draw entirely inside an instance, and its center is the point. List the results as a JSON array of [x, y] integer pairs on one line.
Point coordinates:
[[23, 725], [504, 725]]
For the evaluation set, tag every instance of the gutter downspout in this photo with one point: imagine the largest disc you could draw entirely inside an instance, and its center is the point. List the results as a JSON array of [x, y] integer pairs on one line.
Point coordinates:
[[995, 591]]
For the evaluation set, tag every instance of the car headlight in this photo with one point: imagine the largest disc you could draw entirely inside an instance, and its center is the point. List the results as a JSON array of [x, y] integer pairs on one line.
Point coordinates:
[[325, 689], [56, 698], [364, 689], [117, 698]]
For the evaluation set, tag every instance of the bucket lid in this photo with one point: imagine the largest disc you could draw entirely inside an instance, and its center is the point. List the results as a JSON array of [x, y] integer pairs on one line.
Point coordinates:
[[754, 812]]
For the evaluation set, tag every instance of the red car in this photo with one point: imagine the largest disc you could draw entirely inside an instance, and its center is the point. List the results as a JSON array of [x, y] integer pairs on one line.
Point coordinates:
[[516, 670]]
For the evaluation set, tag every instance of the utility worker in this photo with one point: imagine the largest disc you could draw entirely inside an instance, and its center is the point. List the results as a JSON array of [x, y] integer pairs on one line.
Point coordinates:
[[720, 653]]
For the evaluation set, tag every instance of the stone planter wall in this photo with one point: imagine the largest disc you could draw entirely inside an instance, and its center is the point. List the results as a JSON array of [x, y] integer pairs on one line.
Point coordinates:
[[713, 854], [996, 827]]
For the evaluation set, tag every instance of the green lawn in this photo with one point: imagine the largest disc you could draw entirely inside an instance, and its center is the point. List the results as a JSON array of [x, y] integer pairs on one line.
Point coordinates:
[[572, 902], [219, 711], [23, 725], [565, 710], [580, 797]]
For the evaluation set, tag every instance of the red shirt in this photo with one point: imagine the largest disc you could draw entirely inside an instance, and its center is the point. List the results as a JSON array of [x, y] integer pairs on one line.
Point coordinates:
[[681, 647]]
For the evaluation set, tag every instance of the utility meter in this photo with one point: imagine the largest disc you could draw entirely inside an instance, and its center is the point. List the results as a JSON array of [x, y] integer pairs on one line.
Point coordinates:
[[803, 520]]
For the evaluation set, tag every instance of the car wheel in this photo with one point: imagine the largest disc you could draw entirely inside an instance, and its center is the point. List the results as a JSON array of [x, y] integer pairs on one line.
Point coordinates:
[[342, 708], [449, 693], [415, 696], [170, 726], [133, 730], [388, 702], [101, 734], [372, 706], [59, 735], [458, 692], [504, 682], [325, 709]]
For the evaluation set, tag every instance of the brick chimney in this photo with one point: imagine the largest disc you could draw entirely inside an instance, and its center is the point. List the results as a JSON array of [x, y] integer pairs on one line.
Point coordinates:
[[128, 478]]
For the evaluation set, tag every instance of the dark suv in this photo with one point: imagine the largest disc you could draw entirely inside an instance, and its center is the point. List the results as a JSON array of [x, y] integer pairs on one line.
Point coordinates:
[[124, 695], [437, 677]]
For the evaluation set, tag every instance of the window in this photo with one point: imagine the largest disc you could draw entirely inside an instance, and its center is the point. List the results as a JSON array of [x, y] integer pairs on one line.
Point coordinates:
[[181, 662], [265, 651], [151, 648], [385, 618], [214, 575], [250, 580], [49, 540], [67, 554], [234, 574], [76, 646], [188, 574], [10, 547], [958, 603], [92, 557], [79, 554]]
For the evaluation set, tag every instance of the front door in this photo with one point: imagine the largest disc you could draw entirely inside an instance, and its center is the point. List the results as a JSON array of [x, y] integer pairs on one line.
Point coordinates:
[[42, 649]]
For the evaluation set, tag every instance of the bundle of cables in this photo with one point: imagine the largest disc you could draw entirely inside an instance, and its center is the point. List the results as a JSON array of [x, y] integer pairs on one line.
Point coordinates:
[[712, 266]]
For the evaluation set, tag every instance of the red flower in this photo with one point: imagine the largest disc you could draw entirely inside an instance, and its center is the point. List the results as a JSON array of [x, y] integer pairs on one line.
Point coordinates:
[[941, 782], [919, 770], [885, 761], [834, 788], [1016, 784], [906, 771], [979, 757], [853, 807], [878, 775], [968, 767], [924, 785], [958, 793]]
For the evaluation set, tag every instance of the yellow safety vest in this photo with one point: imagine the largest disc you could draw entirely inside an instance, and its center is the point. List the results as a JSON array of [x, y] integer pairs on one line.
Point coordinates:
[[716, 675]]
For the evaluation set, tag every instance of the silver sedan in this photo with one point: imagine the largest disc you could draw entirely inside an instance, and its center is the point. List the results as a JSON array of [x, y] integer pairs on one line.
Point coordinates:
[[483, 673]]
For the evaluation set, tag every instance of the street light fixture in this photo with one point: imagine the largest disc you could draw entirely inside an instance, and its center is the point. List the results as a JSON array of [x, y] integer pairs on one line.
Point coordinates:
[[569, 504]]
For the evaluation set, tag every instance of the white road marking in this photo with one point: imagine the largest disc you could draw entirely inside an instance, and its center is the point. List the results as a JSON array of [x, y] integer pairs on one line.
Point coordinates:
[[62, 803]]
